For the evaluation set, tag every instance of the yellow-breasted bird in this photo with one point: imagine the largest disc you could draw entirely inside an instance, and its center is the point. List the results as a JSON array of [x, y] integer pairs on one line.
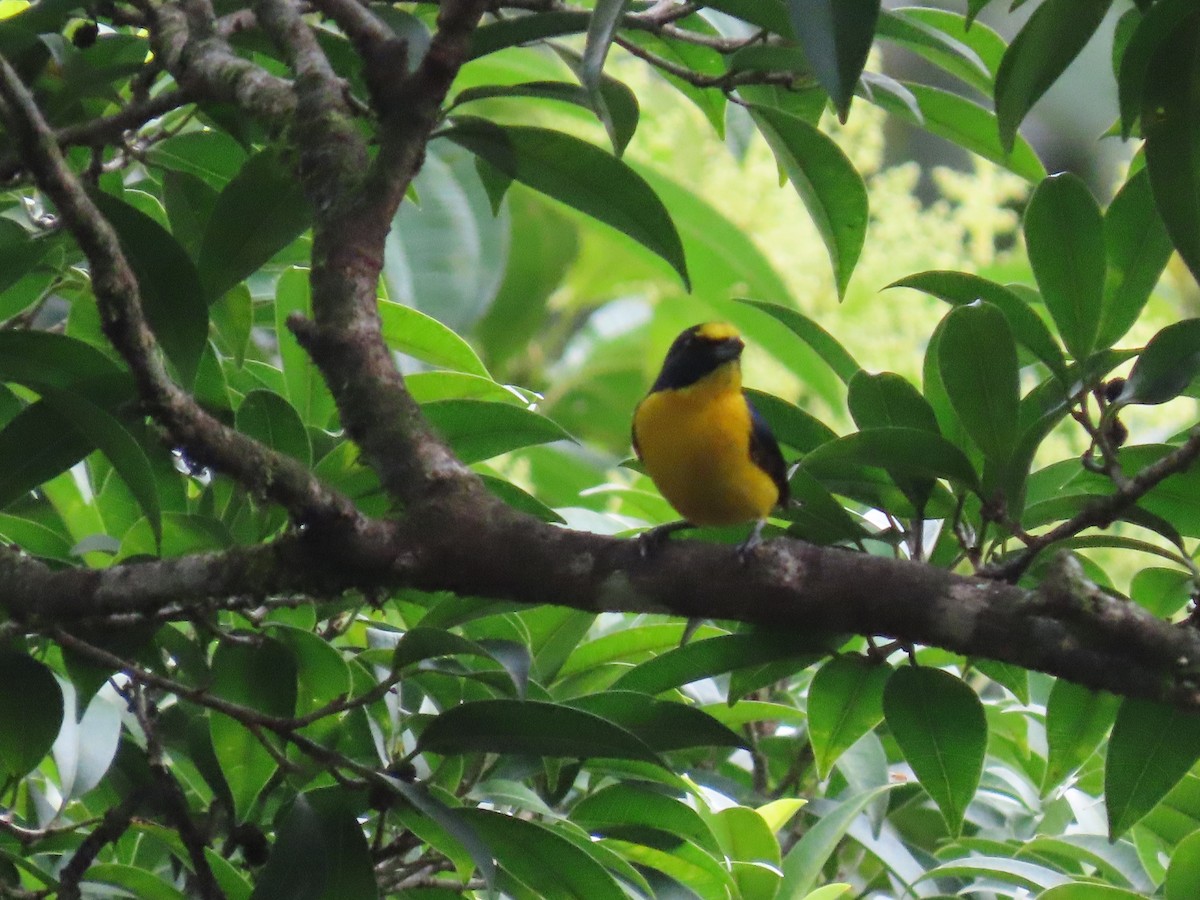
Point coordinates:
[[709, 451]]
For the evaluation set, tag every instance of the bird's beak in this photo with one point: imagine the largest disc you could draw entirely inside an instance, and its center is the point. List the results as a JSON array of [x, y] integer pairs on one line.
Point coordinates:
[[730, 348]]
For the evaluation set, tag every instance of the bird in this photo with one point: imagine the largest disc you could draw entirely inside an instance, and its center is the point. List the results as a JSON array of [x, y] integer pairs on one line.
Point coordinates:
[[708, 450]]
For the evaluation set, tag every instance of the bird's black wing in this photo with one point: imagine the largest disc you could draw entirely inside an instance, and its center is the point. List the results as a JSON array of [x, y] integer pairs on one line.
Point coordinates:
[[765, 453]]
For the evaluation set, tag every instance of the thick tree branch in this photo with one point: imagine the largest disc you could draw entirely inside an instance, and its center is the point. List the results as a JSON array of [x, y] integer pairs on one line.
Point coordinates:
[[475, 546]]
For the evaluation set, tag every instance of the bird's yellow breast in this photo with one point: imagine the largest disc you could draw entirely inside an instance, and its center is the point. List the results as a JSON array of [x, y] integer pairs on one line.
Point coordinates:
[[695, 443]]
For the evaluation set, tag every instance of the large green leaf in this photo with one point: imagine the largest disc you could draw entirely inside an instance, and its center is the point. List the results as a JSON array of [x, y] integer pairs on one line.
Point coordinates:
[[1166, 367], [913, 452], [259, 212], [935, 45], [530, 727], [270, 419], [543, 859], [1041, 51], [305, 388], [962, 288], [663, 724], [827, 182], [845, 701], [172, 297], [805, 863], [31, 711], [446, 255], [1183, 874], [1064, 232], [940, 726], [1153, 26], [629, 809], [1077, 720], [977, 359], [578, 174], [1152, 747], [320, 852], [413, 333], [1138, 247], [262, 678], [825, 345], [480, 429], [964, 123], [1172, 131], [836, 36], [116, 442]]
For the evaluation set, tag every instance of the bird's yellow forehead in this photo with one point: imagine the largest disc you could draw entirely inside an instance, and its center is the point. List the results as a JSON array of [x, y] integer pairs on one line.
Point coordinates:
[[716, 331]]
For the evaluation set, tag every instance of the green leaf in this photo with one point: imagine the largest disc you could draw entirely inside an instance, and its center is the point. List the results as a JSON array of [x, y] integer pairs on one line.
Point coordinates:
[[664, 725], [630, 810], [322, 675], [267, 417], [963, 288], [547, 863], [888, 400], [977, 359], [479, 429], [525, 29], [1183, 873], [120, 447], [965, 124], [1026, 875], [305, 387], [578, 174], [792, 425], [1172, 133], [935, 45], [172, 297], [751, 848], [1151, 748], [845, 701], [36, 445], [262, 678], [826, 180], [703, 659], [1088, 891], [1041, 51], [212, 156], [31, 712], [940, 726], [1064, 232], [613, 102], [1138, 247], [826, 345], [1077, 721], [1154, 26], [836, 36], [904, 451], [411, 332], [1166, 367], [805, 863], [320, 853], [136, 881], [445, 256], [259, 212], [537, 265], [532, 727]]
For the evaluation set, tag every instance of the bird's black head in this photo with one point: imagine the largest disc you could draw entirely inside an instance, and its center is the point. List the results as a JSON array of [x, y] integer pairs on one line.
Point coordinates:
[[696, 352]]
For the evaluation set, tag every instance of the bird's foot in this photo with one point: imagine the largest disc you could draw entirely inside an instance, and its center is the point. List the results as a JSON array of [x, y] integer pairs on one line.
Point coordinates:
[[651, 540], [747, 548]]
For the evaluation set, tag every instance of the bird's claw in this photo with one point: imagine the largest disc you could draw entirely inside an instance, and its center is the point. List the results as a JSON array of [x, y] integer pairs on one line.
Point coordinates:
[[652, 540]]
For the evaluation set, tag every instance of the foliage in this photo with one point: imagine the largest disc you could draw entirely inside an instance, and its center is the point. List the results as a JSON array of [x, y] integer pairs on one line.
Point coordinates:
[[316, 743]]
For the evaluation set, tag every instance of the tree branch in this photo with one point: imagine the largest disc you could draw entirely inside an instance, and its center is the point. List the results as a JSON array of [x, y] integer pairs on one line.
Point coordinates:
[[207, 440], [476, 546], [1101, 512]]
